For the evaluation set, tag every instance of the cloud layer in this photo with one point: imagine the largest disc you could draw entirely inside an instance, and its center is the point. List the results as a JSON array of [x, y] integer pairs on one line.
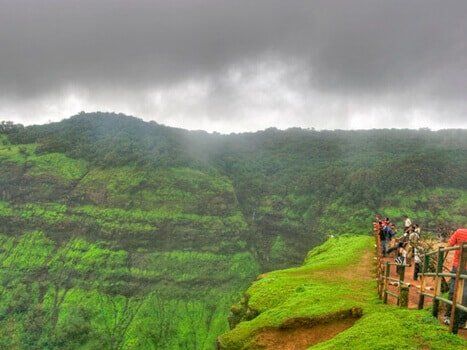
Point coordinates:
[[237, 65]]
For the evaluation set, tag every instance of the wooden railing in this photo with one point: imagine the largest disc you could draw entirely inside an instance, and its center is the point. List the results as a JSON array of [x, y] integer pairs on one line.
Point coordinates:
[[459, 284], [384, 277], [402, 293]]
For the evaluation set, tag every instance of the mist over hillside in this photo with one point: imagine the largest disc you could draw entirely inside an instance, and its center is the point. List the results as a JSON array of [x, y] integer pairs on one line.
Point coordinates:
[[125, 234]]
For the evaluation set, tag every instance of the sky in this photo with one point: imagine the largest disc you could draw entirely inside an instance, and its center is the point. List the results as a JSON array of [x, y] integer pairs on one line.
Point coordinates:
[[232, 66]]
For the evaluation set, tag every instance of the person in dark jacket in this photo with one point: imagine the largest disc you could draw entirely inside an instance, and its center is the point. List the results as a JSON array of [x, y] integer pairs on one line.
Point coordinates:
[[386, 235]]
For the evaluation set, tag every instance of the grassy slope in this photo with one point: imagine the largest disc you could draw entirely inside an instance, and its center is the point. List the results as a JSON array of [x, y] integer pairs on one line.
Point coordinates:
[[52, 163], [317, 290]]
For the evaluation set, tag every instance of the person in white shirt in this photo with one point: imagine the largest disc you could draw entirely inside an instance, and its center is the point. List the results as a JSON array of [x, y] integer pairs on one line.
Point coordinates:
[[414, 236], [413, 239], [418, 263], [417, 230], [407, 224]]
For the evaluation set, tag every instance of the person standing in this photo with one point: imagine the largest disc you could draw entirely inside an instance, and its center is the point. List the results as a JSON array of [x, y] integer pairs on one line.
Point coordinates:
[[417, 230], [407, 224], [458, 238], [417, 263], [401, 258], [413, 239], [386, 236]]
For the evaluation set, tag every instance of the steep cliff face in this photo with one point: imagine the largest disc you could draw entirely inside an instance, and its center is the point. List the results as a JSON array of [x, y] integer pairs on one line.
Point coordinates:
[[329, 303], [118, 256]]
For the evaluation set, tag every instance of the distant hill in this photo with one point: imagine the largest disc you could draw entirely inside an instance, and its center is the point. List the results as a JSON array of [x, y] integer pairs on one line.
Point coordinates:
[[134, 235]]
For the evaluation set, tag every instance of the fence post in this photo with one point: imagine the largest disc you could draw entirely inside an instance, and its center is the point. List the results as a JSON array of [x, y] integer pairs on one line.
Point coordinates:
[[380, 283], [454, 327], [421, 300], [401, 273], [439, 269], [403, 295], [386, 276], [379, 267]]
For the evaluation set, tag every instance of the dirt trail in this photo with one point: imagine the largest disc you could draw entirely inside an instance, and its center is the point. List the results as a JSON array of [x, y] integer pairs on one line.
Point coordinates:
[[415, 285], [362, 271], [302, 338]]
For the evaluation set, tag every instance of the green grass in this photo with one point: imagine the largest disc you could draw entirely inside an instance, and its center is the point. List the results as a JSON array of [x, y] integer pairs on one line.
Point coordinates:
[[129, 220], [55, 164], [157, 216], [5, 209], [138, 215], [14, 153], [59, 164], [50, 213], [317, 291], [172, 189], [190, 266], [386, 327], [298, 292], [291, 283]]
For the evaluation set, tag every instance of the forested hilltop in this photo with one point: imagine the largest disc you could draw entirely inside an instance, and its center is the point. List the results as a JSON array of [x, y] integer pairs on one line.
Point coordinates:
[[117, 233]]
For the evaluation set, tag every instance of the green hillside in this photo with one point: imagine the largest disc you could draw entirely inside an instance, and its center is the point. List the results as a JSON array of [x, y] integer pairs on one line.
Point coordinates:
[[133, 235], [333, 285], [121, 257]]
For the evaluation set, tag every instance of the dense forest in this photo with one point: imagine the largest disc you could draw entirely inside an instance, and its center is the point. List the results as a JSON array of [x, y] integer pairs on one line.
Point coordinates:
[[123, 234]]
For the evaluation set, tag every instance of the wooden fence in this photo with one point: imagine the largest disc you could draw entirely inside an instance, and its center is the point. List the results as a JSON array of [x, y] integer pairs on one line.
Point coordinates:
[[384, 278], [460, 276], [401, 294]]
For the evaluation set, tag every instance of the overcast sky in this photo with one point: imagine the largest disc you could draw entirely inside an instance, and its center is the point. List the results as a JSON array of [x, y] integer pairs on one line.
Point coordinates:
[[237, 65]]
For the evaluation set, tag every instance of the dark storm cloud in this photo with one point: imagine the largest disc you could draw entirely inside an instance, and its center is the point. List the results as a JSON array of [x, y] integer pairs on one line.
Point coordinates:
[[362, 58]]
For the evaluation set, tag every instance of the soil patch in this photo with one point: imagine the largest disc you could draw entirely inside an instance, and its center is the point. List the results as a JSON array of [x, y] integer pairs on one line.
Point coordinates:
[[302, 337]]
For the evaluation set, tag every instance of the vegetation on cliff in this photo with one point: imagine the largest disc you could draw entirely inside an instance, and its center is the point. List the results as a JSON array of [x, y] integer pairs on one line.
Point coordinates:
[[133, 235]]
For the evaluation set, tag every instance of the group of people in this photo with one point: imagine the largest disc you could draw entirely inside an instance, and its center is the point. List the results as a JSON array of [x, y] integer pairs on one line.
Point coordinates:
[[406, 247]]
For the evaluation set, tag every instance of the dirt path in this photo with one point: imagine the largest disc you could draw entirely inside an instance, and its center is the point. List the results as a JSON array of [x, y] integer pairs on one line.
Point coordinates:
[[302, 338], [415, 285]]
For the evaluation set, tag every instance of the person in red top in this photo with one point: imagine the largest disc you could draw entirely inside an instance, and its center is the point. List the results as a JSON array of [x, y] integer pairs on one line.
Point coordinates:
[[457, 238]]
